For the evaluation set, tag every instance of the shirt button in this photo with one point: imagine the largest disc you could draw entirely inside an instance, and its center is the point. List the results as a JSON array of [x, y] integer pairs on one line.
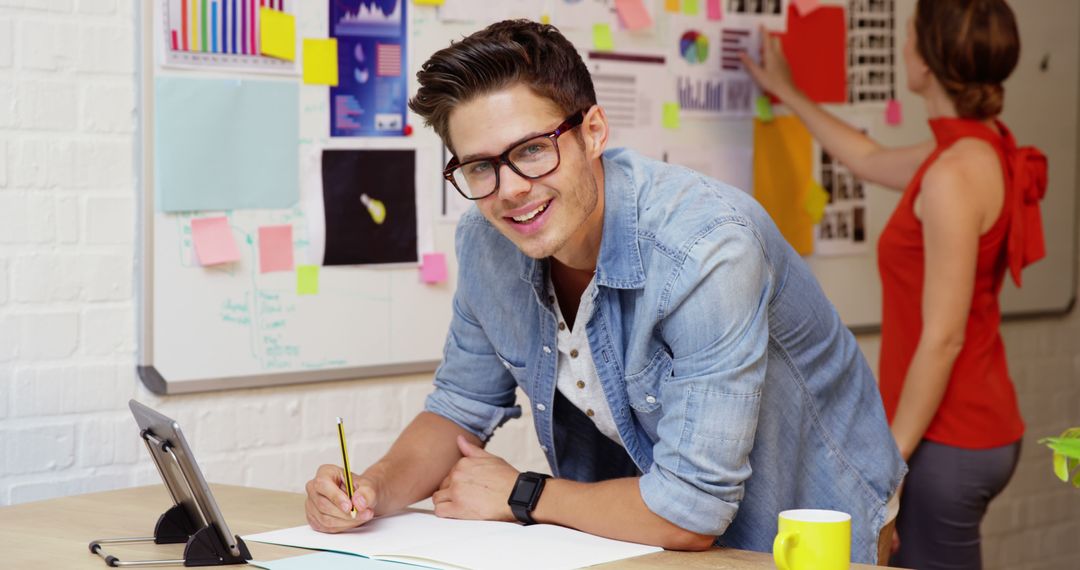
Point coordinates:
[[573, 353], [650, 399], [581, 384], [562, 326], [543, 448], [541, 407], [547, 350], [590, 413], [506, 365]]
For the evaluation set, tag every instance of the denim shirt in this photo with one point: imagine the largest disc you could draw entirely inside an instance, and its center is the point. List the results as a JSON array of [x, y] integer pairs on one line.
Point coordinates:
[[736, 390]]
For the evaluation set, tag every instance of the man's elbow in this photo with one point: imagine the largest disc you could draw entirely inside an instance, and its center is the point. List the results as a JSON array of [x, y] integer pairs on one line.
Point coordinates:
[[681, 539]]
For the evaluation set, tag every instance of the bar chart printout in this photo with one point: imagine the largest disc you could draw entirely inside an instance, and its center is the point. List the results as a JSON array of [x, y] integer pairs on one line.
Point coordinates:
[[218, 34]]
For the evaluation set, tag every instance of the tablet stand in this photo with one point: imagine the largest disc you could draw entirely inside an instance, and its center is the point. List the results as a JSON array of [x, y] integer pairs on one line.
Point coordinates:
[[204, 546]]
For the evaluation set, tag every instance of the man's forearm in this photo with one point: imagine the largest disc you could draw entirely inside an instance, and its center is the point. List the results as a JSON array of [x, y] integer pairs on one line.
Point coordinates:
[[613, 509], [417, 462]]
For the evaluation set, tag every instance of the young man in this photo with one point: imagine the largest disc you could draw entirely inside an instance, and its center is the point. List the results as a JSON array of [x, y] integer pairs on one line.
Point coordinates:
[[688, 378]]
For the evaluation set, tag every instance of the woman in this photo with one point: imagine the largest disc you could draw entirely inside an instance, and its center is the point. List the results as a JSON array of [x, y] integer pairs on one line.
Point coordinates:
[[969, 211]]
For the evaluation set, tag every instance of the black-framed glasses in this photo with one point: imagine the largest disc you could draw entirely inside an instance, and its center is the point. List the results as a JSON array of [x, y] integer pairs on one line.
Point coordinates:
[[531, 158]]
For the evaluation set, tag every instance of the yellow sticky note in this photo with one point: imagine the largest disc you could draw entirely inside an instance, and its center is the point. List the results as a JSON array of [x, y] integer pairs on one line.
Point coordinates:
[[671, 6], [783, 157], [601, 37], [670, 116], [690, 7], [277, 34], [320, 61], [307, 279], [545, 19], [428, 2], [816, 199]]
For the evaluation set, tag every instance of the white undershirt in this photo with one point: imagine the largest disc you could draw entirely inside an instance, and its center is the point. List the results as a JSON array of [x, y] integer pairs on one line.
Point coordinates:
[[576, 375]]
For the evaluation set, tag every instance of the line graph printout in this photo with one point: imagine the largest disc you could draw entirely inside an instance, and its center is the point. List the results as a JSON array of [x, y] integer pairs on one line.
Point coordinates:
[[219, 34]]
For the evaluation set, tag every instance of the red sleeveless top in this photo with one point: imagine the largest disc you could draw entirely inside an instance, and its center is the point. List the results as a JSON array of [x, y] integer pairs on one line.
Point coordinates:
[[979, 408]]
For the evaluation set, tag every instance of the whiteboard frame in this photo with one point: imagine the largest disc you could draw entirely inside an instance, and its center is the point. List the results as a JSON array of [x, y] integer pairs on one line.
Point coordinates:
[[144, 262]]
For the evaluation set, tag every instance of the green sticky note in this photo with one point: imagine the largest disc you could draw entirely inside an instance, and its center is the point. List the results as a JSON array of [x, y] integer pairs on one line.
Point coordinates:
[[307, 279], [690, 7], [601, 37], [764, 108], [320, 61], [816, 199], [670, 118], [428, 2], [277, 34]]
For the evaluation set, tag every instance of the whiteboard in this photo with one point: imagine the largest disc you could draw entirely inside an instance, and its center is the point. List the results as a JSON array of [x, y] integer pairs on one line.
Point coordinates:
[[233, 327]]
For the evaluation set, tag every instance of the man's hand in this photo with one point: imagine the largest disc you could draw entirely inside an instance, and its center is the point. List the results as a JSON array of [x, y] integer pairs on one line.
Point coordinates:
[[329, 507], [477, 487]]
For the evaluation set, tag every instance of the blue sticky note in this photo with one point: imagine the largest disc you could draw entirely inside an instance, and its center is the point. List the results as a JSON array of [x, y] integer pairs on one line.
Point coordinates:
[[225, 144], [329, 561]]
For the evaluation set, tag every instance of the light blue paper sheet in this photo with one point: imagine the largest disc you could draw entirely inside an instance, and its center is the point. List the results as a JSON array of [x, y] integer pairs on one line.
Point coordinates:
[[225, 144]]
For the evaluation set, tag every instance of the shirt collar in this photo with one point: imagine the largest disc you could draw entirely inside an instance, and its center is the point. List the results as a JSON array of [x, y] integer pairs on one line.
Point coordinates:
[[619, 265]]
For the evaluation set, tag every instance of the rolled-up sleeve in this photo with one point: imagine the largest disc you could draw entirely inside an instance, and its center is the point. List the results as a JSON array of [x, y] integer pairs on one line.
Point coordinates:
[[472, 386], [716, 325]]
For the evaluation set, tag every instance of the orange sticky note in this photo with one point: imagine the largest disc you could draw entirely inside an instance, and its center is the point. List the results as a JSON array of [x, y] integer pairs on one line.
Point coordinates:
[[893, 114], [633, 14], [275, 248], [320, 61], [307, 279], [214, 241], [671, 6], [277, 34], [714, 10], [433, 268], [783, 159]]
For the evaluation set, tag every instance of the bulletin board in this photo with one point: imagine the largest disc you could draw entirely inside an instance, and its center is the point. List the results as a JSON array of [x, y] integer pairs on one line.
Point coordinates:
[[291, 231]]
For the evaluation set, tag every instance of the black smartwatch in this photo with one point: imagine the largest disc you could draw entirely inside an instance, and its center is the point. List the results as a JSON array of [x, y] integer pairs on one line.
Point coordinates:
[[526, 494]]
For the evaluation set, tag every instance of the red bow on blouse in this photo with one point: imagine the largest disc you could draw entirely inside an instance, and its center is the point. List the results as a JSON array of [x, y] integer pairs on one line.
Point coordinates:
[[1027, 167]]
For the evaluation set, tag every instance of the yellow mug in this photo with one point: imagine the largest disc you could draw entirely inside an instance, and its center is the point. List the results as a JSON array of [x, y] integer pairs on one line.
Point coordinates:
[[813, 539]]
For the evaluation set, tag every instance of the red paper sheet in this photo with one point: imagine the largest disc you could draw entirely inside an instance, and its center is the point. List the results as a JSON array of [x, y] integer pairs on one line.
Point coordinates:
[[816, 48]]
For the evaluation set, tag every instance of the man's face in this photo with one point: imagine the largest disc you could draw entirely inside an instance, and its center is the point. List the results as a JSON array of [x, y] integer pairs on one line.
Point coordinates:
[[543, 217]]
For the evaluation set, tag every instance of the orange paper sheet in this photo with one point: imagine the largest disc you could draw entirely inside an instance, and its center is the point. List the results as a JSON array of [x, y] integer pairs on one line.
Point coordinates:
[[783, 155]]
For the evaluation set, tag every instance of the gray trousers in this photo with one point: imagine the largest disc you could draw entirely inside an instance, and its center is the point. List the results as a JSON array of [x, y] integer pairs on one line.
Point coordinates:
[[945, 496]]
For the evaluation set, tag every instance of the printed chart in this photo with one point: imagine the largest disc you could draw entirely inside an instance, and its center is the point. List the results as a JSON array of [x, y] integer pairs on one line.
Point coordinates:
[[219, 33]]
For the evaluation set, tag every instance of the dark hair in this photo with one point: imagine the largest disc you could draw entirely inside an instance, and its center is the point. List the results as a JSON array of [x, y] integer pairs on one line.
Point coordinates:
[[496, 57], [971, 46]]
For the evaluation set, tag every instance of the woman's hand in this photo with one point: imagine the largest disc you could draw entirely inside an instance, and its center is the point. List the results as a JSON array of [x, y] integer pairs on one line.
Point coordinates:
[[774, 74]]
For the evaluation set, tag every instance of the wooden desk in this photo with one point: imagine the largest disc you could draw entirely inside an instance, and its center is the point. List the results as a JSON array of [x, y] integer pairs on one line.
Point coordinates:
[[55, 533]]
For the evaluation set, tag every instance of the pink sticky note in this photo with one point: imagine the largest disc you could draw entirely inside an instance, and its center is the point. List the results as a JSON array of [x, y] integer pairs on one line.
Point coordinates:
[[433, 268], [633, 14], [893, 113], [275, 249], [714, 10], [214, 241], [806, 6]]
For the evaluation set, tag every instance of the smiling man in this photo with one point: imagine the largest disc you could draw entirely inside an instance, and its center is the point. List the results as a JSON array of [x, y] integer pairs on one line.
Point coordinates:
[[688, 379]]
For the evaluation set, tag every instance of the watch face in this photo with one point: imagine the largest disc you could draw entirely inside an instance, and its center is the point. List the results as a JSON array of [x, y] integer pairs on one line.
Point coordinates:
[[523, 491]]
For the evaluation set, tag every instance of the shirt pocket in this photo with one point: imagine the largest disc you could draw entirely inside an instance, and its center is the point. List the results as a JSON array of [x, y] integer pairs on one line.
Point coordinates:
[[643, 388], [518, 371]]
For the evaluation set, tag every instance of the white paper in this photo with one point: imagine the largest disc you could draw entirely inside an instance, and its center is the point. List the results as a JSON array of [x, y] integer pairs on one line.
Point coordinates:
[[733, 165], [424, 539], [843, 228], [710, 80]]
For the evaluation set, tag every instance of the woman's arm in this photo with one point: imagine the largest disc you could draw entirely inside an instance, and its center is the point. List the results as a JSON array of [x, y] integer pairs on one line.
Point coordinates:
[[951, 228], [889, 167]]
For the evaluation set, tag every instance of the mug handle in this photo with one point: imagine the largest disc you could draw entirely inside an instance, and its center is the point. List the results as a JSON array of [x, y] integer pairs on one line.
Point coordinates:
[[785, 540]]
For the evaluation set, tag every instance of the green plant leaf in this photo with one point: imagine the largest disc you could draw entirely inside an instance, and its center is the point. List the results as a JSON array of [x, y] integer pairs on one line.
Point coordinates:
[[1067, 447], [1076, 479], [1061, 469]]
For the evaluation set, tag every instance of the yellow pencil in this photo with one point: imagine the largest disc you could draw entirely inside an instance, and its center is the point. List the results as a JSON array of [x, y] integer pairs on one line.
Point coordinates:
[[348, 471]]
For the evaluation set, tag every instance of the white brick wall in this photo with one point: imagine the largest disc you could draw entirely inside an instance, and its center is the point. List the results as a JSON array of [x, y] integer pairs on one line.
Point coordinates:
[[67, 316]]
